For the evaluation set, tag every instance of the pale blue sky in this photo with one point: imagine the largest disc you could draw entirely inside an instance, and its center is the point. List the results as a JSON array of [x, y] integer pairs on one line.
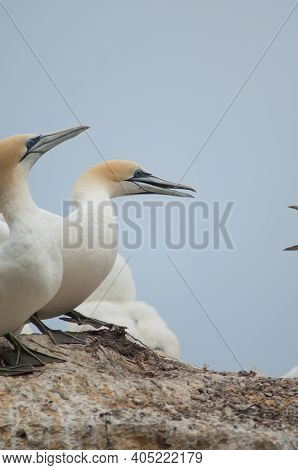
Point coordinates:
[[152, 78]]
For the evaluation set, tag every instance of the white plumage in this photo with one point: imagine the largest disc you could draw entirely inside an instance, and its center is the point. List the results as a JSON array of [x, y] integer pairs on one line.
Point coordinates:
[[85, 266], [118, 286], [114, 301], [292, 374], [30, 260]]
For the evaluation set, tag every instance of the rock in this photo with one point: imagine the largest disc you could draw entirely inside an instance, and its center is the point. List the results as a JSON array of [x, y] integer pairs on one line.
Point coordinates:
[[115, 394]]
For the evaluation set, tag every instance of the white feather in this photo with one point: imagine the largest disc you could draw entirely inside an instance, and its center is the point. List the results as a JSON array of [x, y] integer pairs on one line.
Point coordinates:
[[118, 286], [114, 302], [292, 374]]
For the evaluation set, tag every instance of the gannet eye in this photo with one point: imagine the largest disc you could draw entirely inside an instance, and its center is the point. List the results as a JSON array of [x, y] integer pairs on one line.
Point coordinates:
[[138, 174], [32, 142]]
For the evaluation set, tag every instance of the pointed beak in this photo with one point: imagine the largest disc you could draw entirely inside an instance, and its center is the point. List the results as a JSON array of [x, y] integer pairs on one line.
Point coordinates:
[[46, 142], [49, 141], [152, 185]]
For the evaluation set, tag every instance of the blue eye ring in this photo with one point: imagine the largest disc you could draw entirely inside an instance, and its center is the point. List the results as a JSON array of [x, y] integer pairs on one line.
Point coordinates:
[[138, 173], [31, 142]]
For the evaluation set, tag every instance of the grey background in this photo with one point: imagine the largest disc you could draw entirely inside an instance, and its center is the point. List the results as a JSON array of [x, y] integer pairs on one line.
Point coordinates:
[[152, 78]]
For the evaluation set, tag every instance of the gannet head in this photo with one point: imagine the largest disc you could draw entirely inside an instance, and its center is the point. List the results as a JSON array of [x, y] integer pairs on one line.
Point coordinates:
[[123, 177], [25, 149]]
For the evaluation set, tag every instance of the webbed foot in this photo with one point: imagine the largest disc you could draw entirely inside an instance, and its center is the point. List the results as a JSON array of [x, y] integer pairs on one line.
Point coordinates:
[[22, 355], [15, 370], [76, 317], [57, 336]]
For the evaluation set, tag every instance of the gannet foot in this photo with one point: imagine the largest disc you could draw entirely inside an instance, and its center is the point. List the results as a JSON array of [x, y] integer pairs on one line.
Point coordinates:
[[15, 370], [57, 336], [22, 355], [76, 317], [62, 337]]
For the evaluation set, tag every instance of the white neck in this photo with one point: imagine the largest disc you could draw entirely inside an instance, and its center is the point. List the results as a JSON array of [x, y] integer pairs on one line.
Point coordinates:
[[16, 203], [86, 192], [95, 215]]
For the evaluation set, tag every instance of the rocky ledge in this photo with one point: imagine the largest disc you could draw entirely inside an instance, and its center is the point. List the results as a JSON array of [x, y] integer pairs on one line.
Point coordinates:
[[113, 393]]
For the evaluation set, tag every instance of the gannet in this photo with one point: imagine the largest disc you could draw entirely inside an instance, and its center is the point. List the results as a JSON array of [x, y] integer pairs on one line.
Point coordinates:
[[115, 301], [30, 259], [118, 286], [292, 374], [85, 268], [141, 320]]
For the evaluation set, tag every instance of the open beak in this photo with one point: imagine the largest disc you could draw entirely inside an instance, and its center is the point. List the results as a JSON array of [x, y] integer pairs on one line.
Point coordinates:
[[152, 185]]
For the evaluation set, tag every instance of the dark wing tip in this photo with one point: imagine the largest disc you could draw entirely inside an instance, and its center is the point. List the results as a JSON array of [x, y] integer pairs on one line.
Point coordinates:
[[291, 248]]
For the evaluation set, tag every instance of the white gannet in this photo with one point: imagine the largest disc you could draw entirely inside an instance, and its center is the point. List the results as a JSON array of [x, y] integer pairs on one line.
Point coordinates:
[[292, 374], [30, 259], [141, 320], [86, 267], [114, 301], [152, 328], [118, 286]]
